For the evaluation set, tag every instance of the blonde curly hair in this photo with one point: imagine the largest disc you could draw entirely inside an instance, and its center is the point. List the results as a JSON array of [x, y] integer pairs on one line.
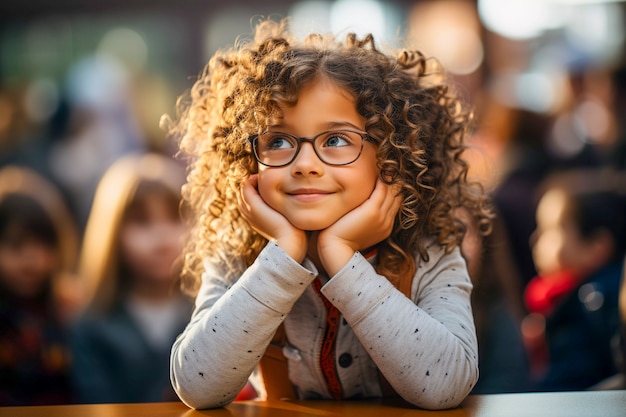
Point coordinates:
[[412, 115]]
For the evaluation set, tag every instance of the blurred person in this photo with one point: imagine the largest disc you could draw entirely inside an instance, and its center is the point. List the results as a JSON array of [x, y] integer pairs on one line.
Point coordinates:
[[101, 127], [578, 248], [527, 161], [618, 79], [26, 140], [129, 262], [619, 161], [496, 306], [39, 295], [618, 381], [622, 315]]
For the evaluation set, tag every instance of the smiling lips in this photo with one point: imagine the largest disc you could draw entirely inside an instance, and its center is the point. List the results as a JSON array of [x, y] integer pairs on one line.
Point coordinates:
[[308, 194]]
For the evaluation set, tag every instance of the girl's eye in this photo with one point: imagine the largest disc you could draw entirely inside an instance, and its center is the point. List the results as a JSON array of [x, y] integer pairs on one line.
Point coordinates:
[[278, 142], [336, 140]]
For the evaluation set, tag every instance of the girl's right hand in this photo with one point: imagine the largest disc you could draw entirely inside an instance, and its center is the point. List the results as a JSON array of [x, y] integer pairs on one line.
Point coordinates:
[[360, 228], [269, 223]]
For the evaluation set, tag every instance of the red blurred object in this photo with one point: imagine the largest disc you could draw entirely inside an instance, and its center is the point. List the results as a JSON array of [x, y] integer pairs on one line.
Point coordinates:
[[544, 292], [247, 393]]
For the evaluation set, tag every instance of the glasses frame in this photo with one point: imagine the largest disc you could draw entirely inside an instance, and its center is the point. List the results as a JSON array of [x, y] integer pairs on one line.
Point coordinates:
[[308, 139]]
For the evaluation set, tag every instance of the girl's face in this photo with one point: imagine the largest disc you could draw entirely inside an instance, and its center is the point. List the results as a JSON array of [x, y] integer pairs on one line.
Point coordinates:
[[313, 195], [26, 264], [151, 239]]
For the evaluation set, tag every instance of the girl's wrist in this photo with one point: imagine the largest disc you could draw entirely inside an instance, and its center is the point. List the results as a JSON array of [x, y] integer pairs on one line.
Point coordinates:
[[334, 257], [293, 246]]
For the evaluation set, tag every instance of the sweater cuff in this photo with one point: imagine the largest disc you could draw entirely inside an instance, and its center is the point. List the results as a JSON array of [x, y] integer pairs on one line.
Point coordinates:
[[275, 279]]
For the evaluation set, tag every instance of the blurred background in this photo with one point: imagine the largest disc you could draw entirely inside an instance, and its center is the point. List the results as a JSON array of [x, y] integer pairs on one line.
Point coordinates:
[[83, 83]]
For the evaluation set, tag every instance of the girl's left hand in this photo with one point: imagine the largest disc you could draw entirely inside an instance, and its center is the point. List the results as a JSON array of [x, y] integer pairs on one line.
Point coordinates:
[[366, 225]]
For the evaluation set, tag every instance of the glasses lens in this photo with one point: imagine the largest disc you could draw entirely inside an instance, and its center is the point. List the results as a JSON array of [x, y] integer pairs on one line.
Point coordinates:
[[275, 149], [339, 147]]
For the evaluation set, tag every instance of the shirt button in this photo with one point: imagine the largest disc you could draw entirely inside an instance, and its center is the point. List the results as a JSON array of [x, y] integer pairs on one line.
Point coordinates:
[[345, 360]]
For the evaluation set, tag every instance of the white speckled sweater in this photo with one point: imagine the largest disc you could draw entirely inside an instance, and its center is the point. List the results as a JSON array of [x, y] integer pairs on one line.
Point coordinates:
[[424, 346]]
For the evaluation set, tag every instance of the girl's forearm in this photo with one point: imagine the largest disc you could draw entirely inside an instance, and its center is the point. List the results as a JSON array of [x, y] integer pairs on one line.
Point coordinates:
[[425, 347], [212, 360], [230, 329], [432, 365]]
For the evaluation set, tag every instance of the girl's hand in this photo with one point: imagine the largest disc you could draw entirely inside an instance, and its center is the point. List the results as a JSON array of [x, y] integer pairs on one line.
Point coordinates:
[[366, 225], [271, 224]]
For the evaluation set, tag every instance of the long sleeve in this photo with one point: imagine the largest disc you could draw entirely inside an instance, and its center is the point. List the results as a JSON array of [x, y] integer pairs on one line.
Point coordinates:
[[231, 327], [426, 348]]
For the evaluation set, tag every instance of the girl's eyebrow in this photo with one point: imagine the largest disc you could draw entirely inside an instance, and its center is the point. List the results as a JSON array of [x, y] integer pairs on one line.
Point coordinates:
[[323, 127]]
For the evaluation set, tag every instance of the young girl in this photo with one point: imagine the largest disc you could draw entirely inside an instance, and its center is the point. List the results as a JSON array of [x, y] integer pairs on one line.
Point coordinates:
[[133, 238], [38, 291], [322, 180]]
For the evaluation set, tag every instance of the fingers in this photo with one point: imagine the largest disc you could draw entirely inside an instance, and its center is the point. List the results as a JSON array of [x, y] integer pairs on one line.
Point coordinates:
[[268, 222], [252, 207], [247, 194], [370, 222], [396, 198], [363, 227], [385, 201], [253, 181], [387, 198]]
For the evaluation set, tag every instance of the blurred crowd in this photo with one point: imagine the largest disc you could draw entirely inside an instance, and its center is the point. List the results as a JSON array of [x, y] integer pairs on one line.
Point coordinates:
[[95, 323], [91, 231]]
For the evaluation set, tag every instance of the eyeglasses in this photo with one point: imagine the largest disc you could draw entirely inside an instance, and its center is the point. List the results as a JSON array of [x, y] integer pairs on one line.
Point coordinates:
[[333, 147]]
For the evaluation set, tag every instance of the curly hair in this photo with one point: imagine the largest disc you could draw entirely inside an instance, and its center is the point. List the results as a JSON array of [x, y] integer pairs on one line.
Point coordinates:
[[416, 120]]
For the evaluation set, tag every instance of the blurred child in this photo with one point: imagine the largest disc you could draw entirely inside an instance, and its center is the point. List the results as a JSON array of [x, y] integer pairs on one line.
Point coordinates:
[[323, 177], [133, 239], [578, 248], [496, 305], [38, 292]]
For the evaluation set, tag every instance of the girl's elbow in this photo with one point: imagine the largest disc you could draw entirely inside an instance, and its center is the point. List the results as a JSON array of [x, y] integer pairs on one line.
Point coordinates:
[[441, 400], [466, 380], [433, 402], [202, 401], [193, 395], [203, 404], [449, 393]]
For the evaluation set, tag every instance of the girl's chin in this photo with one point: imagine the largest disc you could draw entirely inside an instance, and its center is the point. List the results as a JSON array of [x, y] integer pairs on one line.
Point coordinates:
[[312, 225]]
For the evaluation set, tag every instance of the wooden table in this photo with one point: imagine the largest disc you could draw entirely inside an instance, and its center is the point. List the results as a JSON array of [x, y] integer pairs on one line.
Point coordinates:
[[563, 404]]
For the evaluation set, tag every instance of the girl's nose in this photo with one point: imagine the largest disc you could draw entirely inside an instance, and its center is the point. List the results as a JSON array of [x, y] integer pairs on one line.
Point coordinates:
[[307, 162]]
